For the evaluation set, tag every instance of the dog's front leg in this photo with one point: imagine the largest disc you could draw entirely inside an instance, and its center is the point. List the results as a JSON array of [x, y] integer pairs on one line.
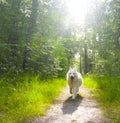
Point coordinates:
[[70, 87], [75, 90]]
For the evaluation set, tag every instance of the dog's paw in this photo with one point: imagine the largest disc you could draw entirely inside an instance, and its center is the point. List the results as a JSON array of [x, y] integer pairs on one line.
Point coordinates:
[[73, 98]]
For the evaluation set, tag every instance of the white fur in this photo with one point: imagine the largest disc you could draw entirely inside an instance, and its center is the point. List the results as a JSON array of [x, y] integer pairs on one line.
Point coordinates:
[[74, 80]]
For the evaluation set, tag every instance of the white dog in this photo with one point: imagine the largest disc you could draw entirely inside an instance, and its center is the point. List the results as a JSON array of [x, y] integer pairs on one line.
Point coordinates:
[[75, 80]]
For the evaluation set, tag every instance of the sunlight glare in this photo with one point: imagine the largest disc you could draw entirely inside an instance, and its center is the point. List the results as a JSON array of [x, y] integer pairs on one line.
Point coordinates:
[[77, 10]]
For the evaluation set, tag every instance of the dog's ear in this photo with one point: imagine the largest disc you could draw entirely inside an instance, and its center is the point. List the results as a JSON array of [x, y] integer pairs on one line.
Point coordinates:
[[70, 68], [75, 68]]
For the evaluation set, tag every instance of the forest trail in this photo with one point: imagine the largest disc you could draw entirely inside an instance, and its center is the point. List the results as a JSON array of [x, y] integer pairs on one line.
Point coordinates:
[[84, 109]]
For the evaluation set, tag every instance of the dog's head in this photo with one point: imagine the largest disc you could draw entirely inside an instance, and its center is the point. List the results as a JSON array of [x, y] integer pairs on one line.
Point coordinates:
[[72, 73]]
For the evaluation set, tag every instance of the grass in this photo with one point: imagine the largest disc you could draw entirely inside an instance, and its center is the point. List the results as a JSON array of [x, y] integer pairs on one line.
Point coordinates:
[[107, 92], [24, 97]]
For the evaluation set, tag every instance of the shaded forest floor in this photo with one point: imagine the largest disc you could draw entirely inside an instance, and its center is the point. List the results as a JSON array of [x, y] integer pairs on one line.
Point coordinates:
[[84, 109]]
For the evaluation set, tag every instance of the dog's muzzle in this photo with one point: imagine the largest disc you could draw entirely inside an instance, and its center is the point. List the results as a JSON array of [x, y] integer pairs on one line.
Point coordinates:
[[72, 77]]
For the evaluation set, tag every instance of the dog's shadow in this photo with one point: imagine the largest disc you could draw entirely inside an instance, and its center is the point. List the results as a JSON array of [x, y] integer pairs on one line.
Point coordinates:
[[70, 105]]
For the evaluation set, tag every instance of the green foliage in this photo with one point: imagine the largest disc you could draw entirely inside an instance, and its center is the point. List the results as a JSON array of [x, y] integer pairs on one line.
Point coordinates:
[[27, 98], [104, 23], [90, 82], [27, 34], [106, 91], [60, 54]]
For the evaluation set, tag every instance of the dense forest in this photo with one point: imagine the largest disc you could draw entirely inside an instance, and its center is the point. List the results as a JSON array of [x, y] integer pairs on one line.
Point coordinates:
[[35, 39]]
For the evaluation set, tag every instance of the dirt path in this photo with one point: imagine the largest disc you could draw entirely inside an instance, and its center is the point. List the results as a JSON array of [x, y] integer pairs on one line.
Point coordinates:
[[84, 109]]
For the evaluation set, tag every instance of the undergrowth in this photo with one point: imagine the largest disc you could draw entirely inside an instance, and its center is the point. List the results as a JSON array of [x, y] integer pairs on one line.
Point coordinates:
[[107, 91], [23, 97]]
